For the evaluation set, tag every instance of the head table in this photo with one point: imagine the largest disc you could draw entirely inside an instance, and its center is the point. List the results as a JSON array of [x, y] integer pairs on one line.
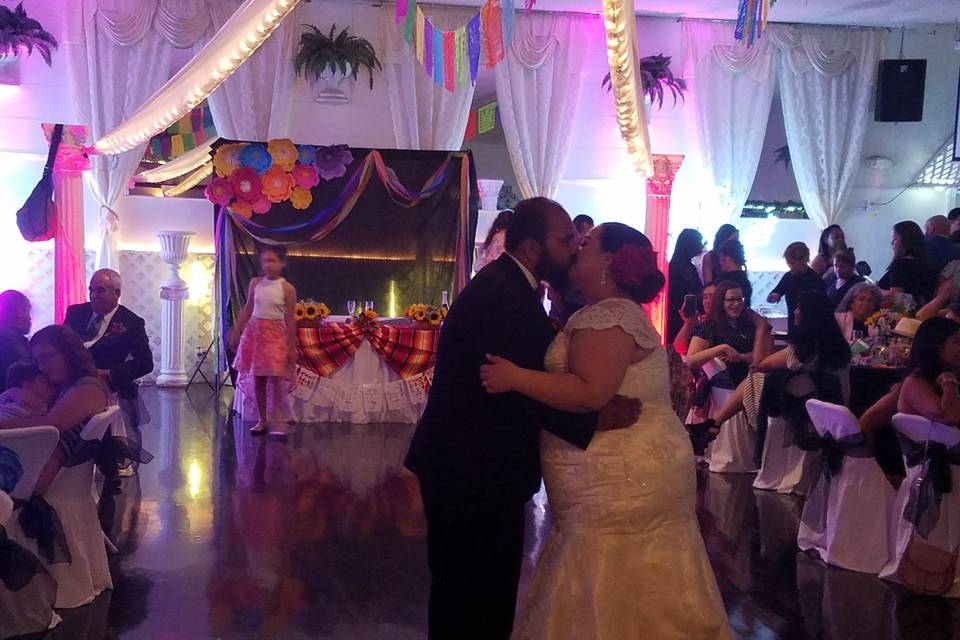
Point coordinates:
[[362, 373]]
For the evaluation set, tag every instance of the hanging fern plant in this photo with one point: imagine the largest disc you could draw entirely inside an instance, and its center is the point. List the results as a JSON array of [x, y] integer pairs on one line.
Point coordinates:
[[343, 52], [19, 32], [655, 75]]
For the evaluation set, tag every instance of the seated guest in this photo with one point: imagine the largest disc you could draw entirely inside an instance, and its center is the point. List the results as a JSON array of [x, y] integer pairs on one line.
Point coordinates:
[[954, 217], [910, 270], [880, 435], [832, 239], [845, 275], [116, 337], [861, 302], [818, 350], [14, 327], [28, 392], [681, 342], [493, 246], [728, 334], [940, 248], [80, 392], [733, 266], [798, 279], [930, 389], [947, 293]]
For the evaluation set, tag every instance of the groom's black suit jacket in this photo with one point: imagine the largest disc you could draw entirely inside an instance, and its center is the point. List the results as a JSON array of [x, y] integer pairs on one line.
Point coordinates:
[[123, 350], [472, 442]]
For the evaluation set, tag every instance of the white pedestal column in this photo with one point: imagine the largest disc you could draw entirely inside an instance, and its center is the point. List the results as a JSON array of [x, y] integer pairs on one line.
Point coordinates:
[[173, 251]]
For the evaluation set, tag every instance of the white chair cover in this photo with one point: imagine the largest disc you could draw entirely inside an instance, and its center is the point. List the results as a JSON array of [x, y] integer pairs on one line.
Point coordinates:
[[33, 445], [783, 469], [73, 497], [946, 532], [858, 503], [732, 451], [6, 508]]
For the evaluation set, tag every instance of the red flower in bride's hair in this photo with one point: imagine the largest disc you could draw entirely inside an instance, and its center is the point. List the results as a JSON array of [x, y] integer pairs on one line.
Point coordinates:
[[631, 264]]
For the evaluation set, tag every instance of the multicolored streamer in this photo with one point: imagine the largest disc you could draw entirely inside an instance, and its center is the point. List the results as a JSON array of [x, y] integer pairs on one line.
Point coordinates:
[[409, 22], [438, 58], [507, 10], [428, 47], [473, 46], [491, 19], [752, 20], [449, 61]]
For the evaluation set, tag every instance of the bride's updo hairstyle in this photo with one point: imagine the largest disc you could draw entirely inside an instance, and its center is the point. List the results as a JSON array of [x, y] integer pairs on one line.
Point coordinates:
[[634, 267]]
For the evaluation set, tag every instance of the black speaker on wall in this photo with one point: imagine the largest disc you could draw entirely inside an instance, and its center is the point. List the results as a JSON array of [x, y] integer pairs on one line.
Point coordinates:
[[900, 86]]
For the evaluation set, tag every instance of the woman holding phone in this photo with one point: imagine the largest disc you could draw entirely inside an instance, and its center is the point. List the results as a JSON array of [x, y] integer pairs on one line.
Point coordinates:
[[683, 290]]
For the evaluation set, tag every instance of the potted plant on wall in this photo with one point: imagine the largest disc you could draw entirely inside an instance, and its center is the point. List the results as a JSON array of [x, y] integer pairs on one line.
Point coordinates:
[[327, 59], [19, 32], [655, 76]]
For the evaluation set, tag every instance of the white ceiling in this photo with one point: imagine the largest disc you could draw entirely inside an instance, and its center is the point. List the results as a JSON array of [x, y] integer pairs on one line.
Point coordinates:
[[888, 13]]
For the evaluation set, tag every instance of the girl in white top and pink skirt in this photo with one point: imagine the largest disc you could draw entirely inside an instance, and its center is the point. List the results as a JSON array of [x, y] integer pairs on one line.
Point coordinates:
[[267, 333]]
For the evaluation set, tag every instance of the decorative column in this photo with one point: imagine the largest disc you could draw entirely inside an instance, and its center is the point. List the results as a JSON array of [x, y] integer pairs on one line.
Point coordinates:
[[657, 227], [173, 251], [69, 259]]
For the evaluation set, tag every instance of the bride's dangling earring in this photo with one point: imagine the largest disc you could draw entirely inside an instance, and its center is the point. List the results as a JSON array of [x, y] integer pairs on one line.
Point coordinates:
[[603, 277]]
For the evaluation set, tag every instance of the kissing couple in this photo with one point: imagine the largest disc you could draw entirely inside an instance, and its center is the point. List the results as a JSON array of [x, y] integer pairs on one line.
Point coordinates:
[[589, 408]]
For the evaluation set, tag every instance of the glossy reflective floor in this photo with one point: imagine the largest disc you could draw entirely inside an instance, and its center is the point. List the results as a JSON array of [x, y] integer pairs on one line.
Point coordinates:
[[321, 536]]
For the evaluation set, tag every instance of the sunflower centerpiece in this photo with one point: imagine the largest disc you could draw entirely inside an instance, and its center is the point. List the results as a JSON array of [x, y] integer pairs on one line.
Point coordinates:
[[426, 314], [311, 311], [367, 317]]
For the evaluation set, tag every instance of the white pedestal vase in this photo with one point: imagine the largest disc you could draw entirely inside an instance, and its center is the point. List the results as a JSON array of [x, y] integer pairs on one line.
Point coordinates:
[[173, 251], [333, 87], [489, 193]]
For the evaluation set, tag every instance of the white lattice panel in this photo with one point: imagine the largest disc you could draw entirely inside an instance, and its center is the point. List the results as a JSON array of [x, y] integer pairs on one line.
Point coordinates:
[[142, 272]]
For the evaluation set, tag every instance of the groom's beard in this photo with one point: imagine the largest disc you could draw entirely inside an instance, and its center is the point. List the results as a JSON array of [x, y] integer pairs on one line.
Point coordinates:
[[556, 274]]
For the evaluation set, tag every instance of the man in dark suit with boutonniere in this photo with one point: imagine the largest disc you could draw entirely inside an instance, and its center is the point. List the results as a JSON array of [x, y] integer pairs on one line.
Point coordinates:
[[117, 339], [477, 455]]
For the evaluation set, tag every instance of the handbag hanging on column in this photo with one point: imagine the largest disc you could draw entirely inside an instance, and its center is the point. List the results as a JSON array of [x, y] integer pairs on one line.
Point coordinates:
[[37, 218], [923, 567]]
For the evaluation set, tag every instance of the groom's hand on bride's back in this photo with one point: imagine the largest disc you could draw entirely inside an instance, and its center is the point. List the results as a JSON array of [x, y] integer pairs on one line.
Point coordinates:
[[620, 413]]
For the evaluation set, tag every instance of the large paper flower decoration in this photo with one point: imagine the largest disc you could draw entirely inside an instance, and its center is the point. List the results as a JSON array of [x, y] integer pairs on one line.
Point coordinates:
[[283, 152], [242, 208], [301, 198], [227, 159], [261, 205], [219, 191], [306, 153], [246, 185], [305, 175], [277, 183], [256, 157], [332, 162]]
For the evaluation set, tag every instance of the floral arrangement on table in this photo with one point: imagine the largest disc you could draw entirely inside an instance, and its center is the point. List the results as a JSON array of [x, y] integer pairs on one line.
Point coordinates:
[[252, 177], [311, 310], [426, 314], [367, 317], [892, 308]]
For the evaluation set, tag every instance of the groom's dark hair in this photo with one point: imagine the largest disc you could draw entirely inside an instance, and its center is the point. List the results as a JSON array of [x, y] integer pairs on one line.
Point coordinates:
[[530, 221]]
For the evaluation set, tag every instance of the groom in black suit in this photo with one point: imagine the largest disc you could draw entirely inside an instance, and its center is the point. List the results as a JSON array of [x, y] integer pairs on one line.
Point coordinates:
[[477, 455], [117, 339]]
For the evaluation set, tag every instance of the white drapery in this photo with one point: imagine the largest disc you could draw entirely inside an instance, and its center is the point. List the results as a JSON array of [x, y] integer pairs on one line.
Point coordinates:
[[424, 116], [825, 76], [731, 88], [538, 89], [254, 103]]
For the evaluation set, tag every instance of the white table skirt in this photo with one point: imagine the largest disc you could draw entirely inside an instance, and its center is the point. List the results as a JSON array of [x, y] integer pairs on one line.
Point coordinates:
[[364, 390]]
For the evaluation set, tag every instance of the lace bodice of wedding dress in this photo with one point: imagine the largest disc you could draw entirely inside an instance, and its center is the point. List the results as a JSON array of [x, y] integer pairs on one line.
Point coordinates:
[[625, 558]]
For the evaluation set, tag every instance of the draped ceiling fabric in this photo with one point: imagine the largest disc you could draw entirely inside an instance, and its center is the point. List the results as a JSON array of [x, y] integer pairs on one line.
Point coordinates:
[[826, 77], [424, 116], [538, 90]]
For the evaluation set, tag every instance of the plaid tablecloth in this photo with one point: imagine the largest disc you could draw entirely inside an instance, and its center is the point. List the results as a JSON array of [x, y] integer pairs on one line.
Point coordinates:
[[407, 350]]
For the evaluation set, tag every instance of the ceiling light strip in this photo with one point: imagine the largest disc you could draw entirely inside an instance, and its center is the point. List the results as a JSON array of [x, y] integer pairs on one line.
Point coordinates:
[[190, 181], [621, 28], [237, 39], [190, 161]]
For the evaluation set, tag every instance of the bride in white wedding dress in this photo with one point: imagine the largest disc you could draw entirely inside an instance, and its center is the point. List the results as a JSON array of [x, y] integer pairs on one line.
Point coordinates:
[[625, 559]]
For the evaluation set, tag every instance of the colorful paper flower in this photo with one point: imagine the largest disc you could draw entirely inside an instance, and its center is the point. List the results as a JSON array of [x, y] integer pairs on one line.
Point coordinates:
[[306, 153], [219, 191], [332, 162], [227, 159], [256, 157], [246, 185], [242, 208], [305, 175], [261, 205], [283, 152], [301, 198], [277, 183]]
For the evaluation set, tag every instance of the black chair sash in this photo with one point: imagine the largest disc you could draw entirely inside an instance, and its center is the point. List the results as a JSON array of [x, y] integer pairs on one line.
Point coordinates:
[[39, 521], [833, 451], [11, 470], [110, 454], [936, 479], [19, 566]]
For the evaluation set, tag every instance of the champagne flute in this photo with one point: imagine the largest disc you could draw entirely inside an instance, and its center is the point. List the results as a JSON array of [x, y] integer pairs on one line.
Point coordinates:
[[351, 307]]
